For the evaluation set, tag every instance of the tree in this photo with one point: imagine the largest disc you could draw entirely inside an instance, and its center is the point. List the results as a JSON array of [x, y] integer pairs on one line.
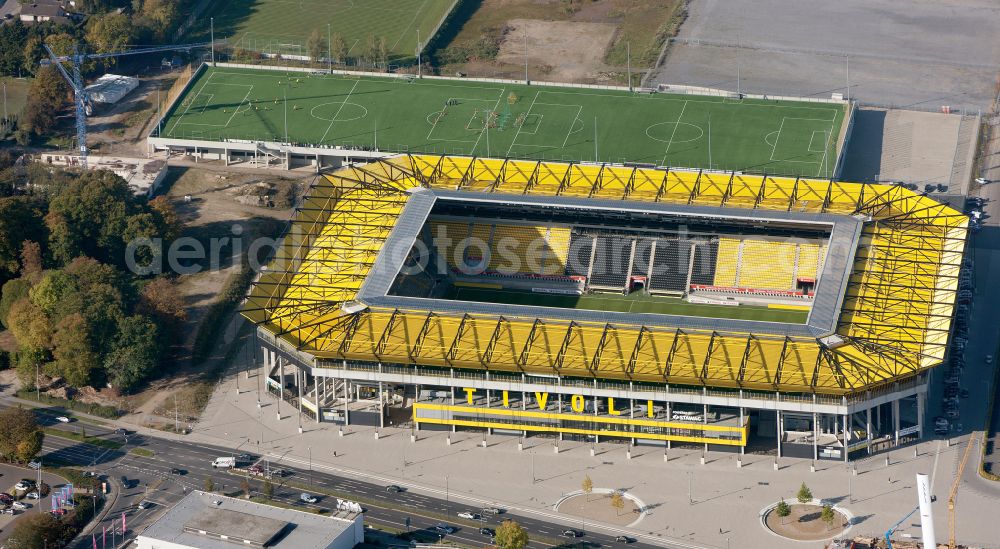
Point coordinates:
[[75, 356], [783, 510], [12, 292], [587, 486], [108, 33], [29, 324], [268, 489], [510, 535], [827, 515], [20, 221], [163, 301], [31, 261], [209, 484], [376, 52], [51, 293], [39, 531], [89, 217], [338, 48], [134, 355], [317, 45], [805, 495], [20, 435], [12, 38], [166, 217], [618, 502], [47, 95]]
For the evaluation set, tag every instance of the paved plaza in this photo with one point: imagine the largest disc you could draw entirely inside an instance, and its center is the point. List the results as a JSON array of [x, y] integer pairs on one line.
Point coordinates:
[[533, 480]]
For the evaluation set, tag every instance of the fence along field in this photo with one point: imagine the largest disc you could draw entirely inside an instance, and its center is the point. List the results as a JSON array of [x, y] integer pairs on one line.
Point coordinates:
[[282, 27], [510, 120]]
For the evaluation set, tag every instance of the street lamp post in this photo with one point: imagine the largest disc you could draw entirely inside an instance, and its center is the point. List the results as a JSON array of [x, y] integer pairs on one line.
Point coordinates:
[[690, 499]]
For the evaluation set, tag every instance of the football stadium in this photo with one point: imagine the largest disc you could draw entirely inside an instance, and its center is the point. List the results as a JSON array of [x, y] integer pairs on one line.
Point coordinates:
[[790, 316]]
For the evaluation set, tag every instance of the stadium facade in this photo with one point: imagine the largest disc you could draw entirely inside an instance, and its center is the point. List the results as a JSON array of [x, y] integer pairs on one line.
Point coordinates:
[[737, 313]]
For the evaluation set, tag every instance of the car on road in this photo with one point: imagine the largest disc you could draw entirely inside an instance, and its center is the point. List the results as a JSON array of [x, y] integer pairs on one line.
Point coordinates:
[[983, 181], [624, 539], [492, 510], [570, 533], [62, 419], [279, 473], [246, 457], [488, 532], [122, 432], [469, 515], [308, 498], [144, 504], [394, 488], [176, 471], [21, 506], [444, 529], [226, 462], [257, 471]]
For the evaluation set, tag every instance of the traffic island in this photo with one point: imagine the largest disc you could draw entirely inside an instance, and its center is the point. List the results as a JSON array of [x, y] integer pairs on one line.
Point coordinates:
[[804, 522], [597, 507]]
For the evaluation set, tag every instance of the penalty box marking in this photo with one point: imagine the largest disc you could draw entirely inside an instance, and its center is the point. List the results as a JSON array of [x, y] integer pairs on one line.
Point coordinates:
[[777, 139], [430, 133]]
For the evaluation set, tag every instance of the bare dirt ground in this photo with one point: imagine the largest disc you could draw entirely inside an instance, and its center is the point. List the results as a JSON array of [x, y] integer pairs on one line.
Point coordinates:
[[208, 201], [804, 523], [565, 51], [597, 507]]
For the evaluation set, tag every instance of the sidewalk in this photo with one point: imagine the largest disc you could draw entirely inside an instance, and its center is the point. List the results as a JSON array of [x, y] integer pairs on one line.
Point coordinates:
[[878, 495]]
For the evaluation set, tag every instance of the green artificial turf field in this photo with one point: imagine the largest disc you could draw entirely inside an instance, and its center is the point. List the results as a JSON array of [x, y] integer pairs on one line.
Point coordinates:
[[637, 302], [447, 116], [283, 26]]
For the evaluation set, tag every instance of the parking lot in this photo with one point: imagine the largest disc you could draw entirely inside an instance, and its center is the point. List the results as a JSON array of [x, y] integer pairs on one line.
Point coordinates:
[[9, 477]]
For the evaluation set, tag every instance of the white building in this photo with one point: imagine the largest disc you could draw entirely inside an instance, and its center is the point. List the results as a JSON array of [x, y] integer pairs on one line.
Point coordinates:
[[209, 521]]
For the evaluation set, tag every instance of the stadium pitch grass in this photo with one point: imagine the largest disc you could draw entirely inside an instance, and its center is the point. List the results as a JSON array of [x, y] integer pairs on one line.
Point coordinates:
[[282, 27], [636, 302], [446, 116]]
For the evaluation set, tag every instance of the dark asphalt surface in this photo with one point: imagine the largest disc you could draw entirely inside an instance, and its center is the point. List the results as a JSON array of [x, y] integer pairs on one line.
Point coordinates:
[[194, 460]]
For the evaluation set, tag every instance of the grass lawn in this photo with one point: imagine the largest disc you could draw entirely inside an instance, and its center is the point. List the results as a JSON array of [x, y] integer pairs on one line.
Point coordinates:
[[283, 26], [17, 94], [634, 303], [510, 120], [93, 441]]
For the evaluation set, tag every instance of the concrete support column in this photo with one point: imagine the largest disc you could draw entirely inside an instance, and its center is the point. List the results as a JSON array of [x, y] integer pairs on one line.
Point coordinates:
[[868, 430], [667, 410], [895, 422], [524, 404], [281, 377], [704, 421], [559, 403], [631, 414], [846, 436], [489, 399], [780, 423], [742, 421], [381, 404], [921, 397], [298, 384], [453, 396], [347, 398], [815, 436], [316, 397]]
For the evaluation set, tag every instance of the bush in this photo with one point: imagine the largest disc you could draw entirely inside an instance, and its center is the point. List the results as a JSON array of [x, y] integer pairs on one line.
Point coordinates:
[[805, 495], [99, 410]]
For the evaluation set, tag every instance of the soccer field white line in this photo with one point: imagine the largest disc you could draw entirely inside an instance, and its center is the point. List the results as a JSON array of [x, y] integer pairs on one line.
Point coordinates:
[[334, 117], [486, 126], [518, 132], [677, 124], [434, 124], [188, 108], [410, 24], [237, 109]]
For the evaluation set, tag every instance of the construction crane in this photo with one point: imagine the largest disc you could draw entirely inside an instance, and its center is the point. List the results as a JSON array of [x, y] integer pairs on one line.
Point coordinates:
[[890, 531], [75, 80], [954, 493]]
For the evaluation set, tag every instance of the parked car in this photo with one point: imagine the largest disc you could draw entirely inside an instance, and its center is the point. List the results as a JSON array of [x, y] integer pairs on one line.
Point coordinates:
[[32, 495], [469, 515], [308, 498], [20, 506], [24, 486]]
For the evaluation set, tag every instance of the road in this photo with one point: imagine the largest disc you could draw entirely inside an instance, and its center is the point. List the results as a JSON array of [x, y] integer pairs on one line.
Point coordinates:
[[151, 478]]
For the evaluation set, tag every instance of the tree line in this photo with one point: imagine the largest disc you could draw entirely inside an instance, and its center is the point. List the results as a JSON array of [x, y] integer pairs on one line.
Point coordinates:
[[67, 296]]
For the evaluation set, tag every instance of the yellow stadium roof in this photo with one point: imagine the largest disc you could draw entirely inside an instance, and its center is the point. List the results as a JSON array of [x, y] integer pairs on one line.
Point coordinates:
[[894, 321]]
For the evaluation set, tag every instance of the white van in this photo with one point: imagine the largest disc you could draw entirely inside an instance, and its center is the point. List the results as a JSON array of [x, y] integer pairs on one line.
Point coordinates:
[[224, 462]]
